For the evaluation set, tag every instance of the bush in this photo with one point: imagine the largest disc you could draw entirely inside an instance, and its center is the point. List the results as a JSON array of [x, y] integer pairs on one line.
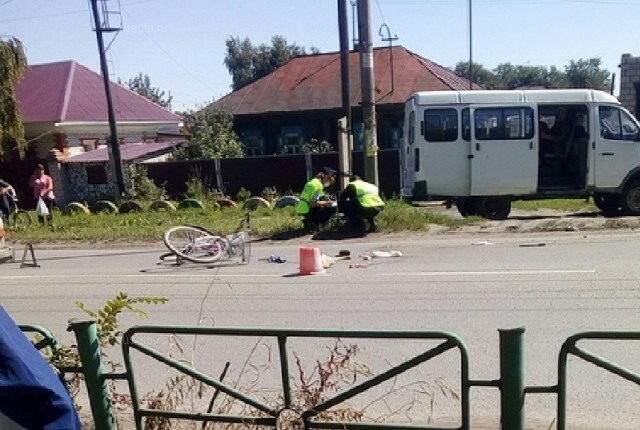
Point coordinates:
[[141, 186], [243, 195]]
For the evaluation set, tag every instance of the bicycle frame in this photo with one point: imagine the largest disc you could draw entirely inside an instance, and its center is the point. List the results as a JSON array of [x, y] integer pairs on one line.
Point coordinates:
[[199, 245]]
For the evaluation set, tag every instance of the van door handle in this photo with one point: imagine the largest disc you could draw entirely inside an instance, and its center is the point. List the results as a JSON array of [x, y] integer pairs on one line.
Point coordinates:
[[530, 145], [470, 156], [607, 153], [477, 146]]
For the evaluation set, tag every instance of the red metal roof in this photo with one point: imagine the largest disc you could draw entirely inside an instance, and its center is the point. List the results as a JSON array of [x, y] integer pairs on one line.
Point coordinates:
[[312, 82], [67, 92], [128, 152]]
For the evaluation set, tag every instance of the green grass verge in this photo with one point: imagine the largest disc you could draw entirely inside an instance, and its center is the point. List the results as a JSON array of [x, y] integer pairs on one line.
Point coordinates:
[[149, 226], [558, 204]]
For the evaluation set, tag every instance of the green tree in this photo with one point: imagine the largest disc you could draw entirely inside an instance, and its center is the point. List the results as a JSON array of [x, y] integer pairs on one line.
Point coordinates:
[[587, 74], [511, 76], [13, 63], [248, 63], [141, 84], [481, 75], [210, 135], [578, 74]]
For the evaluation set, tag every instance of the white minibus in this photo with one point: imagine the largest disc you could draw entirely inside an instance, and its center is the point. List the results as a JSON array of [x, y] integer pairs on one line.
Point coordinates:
[[480, 150]]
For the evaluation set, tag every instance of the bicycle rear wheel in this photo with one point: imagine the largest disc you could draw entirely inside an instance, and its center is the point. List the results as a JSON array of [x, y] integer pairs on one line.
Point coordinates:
[[243, 247], [20, 220], [194, 244]]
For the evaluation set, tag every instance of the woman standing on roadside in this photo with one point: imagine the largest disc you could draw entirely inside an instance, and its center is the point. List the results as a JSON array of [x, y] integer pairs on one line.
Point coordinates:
[[42, 185]]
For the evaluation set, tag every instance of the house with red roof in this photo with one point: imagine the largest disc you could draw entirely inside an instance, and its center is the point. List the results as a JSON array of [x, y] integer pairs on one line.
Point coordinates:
[[302, 100], [64, 107], [64, 111]]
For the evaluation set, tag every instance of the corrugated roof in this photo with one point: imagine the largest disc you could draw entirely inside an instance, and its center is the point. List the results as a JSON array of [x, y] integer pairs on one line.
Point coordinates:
[[312, 82], [68, 92], [128, 152]]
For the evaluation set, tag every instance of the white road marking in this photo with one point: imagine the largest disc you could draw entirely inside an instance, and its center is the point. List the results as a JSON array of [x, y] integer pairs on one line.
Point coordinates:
[[147, 275], [489, 273]]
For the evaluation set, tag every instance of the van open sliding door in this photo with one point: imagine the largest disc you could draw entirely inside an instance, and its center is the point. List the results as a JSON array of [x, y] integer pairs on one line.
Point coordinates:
[[504, 150]]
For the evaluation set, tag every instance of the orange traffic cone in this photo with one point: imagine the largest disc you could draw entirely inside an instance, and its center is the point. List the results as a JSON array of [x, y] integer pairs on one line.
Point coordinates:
[[310, 261]]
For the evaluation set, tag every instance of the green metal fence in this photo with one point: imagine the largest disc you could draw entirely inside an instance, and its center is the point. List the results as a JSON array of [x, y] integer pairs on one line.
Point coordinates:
[[271, 415], [570, 347], [511, 383]]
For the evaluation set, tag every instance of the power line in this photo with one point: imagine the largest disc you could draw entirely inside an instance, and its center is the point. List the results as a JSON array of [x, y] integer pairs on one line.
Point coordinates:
[[51, 15], [176, 62]]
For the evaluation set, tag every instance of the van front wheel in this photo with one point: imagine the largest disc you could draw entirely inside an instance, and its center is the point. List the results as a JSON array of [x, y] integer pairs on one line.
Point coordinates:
[[608, 203], [631, 198], [494, 207]]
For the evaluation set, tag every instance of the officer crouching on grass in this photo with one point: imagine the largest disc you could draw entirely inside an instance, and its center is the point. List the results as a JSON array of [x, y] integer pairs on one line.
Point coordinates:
[[360, 201], [315, 206]]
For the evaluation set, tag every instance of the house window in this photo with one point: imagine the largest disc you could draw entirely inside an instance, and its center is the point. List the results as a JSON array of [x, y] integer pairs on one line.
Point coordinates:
[[291, 140], [253, 143], [96, 174], [358, 136], [396, 134], [89, 144]]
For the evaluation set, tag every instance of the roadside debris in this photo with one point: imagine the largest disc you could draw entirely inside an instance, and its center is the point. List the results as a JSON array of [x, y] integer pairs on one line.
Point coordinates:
[[386, 254], [276, 259], [531, 245], [358, 266], [483, 242], [380, 254], [327, 261]]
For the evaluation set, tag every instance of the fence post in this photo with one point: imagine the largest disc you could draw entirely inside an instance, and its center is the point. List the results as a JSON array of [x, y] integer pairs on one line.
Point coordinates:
[[219, 181], [93, 370], [512, 379]]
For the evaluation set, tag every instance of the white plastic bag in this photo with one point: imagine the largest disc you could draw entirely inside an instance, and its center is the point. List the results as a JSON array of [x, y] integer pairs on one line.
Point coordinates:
[[41, 208]]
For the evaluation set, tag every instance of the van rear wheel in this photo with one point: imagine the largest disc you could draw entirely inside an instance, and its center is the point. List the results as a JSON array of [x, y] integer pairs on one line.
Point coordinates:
[[467, 206], [494, 207], [631, 198]]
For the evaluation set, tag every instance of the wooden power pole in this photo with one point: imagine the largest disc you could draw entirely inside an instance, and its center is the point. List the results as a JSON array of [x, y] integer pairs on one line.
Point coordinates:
[[368, 95]]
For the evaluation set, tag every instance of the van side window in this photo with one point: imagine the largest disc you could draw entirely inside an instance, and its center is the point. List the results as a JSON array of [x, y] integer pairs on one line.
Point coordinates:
[[503, 123], [616, 124], [466, 124], [441, 125]]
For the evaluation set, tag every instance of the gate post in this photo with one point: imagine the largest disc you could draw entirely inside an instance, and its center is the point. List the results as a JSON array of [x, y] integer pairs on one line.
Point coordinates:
[[93, 371], [512, 379]]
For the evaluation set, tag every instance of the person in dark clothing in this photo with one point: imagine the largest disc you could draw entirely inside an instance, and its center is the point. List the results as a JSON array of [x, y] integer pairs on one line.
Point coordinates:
[[5, 191], [360, 201], [315, 207], [555, 140]]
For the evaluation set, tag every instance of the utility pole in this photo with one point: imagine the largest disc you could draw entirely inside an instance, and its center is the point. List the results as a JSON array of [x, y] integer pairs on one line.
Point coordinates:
[[102, 26], [344, 154], [368, 101], [470, 45]]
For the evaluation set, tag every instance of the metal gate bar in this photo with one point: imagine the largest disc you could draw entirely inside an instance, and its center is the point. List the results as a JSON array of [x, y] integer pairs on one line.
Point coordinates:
[[570, 347]]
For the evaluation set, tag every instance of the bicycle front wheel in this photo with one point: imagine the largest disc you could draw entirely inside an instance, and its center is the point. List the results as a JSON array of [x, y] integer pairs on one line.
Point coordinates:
[[194, 244], [21, 220]]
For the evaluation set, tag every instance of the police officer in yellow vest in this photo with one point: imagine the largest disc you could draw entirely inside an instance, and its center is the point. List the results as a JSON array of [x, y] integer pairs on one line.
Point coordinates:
[[360, 201], [314, 205]]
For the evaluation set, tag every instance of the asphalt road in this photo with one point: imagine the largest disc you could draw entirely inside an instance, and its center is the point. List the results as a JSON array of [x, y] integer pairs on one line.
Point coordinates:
[[553, 285]]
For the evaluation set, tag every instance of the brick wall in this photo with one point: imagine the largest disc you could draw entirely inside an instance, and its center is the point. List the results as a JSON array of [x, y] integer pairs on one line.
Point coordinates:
[[629, 78]]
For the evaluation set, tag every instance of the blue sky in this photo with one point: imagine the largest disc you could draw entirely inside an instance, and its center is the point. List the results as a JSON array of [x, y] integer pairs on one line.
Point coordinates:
[[180, 44]]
